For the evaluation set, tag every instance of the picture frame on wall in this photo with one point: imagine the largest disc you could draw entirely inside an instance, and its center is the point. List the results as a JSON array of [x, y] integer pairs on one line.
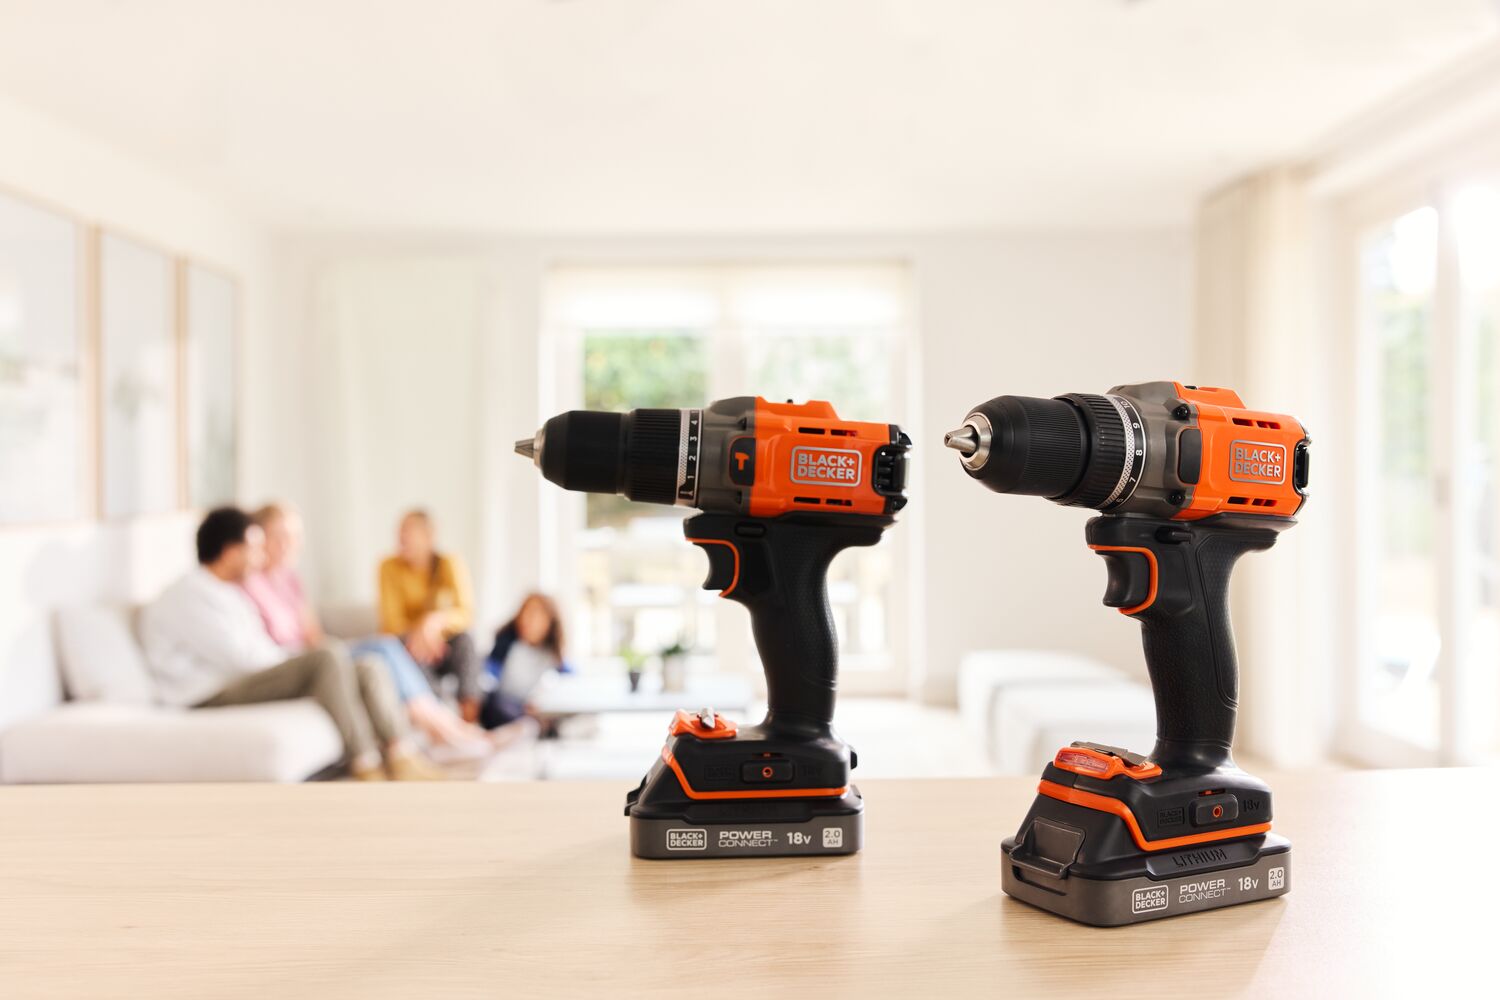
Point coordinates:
[[44, 433], [210, 322], [139, 379]]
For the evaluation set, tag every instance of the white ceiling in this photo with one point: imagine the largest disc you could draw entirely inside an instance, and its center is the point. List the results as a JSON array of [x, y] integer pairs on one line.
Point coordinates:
[[721, 115]]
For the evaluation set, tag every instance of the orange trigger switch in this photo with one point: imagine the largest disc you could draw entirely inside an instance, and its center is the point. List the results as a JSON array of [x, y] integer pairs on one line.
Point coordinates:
[[723, 564]]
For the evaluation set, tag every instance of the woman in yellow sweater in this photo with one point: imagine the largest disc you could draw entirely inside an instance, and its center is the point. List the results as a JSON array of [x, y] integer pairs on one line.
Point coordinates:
[[426, 599]]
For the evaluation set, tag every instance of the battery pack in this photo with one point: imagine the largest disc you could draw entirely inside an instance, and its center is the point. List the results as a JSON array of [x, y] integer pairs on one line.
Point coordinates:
[[1179, 882], [679, 839], [719, 790], [1113, 838]]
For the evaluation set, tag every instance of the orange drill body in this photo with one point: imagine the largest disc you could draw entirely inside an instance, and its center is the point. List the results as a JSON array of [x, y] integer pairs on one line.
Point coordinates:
[[1249, 457], [812, 461]]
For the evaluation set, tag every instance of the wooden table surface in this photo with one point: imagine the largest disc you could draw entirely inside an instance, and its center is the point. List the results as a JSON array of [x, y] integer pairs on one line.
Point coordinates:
[[527, 890]]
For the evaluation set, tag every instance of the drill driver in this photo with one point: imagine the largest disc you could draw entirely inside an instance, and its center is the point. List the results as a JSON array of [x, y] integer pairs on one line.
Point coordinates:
[[783, 488], [1187, 480]]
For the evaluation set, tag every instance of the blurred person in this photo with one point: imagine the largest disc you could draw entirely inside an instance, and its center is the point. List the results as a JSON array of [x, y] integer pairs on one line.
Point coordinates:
[[526, 648], [207, 647], [277, 591], [426, 600], [276, 587]]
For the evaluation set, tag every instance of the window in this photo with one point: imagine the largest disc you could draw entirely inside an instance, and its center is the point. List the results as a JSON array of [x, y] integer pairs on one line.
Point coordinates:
[[1398, 684], [680, 337], [1428, 599], [1476, 230]]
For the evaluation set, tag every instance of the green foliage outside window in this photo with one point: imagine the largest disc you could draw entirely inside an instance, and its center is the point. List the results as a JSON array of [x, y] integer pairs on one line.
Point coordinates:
[[851, 371], [630, 369], [1399, 305]]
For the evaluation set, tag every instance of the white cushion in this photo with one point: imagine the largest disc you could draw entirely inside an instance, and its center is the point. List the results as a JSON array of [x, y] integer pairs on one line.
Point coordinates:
[[97, 742], [100, 657], [1033, 721], [29, 681], [983, 674]]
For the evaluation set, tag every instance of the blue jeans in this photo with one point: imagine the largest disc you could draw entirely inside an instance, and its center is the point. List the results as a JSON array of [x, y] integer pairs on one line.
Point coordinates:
[[409, 679]]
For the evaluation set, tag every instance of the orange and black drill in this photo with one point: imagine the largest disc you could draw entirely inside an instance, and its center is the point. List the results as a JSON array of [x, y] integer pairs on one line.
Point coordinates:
[[783, 488], [1187, 480]]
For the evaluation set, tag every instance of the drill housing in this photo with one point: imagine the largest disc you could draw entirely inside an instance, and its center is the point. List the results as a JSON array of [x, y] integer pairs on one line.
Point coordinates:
[[1187, 480], [783, 489]]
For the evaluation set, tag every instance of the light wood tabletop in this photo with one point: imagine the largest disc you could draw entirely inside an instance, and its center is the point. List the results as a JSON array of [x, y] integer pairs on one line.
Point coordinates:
[[525, 890]]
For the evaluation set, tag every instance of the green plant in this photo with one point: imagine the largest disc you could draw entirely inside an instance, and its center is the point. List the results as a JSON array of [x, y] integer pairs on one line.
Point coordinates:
[[635, 660]]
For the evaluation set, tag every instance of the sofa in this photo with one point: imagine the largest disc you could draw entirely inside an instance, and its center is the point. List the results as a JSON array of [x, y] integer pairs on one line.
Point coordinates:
[[93, 717], [1023, 704]]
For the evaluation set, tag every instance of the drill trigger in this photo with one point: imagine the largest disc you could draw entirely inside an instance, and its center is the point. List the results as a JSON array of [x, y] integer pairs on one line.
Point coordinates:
[[723, 564], [1132, 577]]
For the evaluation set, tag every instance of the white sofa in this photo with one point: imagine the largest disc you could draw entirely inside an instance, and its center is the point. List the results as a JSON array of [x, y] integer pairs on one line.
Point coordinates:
[[1023, 704], [98, 720]]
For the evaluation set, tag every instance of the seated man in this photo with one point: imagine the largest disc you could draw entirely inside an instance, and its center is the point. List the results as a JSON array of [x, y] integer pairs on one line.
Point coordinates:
[[206, 647], [425, 598]]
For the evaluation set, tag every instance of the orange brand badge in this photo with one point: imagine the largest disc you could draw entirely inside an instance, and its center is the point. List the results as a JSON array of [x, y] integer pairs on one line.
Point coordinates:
[[826, 466], [1257, 462]]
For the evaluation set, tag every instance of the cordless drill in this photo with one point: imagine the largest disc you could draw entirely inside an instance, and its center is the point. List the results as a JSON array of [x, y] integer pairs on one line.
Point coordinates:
[[1187, 480], [783, 488]]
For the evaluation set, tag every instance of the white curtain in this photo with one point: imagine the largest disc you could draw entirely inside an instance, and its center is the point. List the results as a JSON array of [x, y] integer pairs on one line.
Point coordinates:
[[1259, 333]]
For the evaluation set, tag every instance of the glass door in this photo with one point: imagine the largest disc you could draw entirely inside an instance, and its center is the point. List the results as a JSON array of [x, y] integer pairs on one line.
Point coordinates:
[[1397, 685], [1427, 568]]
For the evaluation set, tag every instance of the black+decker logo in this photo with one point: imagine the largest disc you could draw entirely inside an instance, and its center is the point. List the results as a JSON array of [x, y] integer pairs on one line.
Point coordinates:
[[687, 840], [1257, 462], [826, 466]]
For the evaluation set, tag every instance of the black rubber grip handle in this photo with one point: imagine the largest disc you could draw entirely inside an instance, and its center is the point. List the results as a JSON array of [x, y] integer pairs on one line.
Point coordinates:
[[1183, 607], [778, 569]]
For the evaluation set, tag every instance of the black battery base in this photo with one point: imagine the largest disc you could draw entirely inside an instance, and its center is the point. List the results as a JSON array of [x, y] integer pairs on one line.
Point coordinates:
[[1111, 839], [783, 829], [1263, 872], [719, 791]]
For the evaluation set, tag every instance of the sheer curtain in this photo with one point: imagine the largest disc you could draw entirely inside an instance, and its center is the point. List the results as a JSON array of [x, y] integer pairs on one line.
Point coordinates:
[[1259, 333]]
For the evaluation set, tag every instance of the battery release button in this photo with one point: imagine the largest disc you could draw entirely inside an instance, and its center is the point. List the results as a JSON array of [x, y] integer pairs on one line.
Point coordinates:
[[766, 771], [1211, 809]]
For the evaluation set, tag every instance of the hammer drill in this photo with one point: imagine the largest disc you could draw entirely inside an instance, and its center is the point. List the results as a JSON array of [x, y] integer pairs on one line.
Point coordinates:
[[783, 488], [1187, 480]]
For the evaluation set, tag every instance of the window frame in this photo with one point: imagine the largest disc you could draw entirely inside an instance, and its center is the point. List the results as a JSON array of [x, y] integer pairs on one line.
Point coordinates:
[[561, 385], [1462, 723]]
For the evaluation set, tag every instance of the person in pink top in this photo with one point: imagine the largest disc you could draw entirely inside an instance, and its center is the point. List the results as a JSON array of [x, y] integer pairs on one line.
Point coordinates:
[[276, 590]]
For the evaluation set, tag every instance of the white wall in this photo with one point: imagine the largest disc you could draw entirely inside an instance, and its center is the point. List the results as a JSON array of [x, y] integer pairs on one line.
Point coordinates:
[[1036, 315], [398, 343], [43, 567], [447, 329], [378, 373]]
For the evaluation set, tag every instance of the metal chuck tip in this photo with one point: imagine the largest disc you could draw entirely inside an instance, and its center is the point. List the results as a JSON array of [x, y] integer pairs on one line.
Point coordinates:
[[526, 448], [965, 440]]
